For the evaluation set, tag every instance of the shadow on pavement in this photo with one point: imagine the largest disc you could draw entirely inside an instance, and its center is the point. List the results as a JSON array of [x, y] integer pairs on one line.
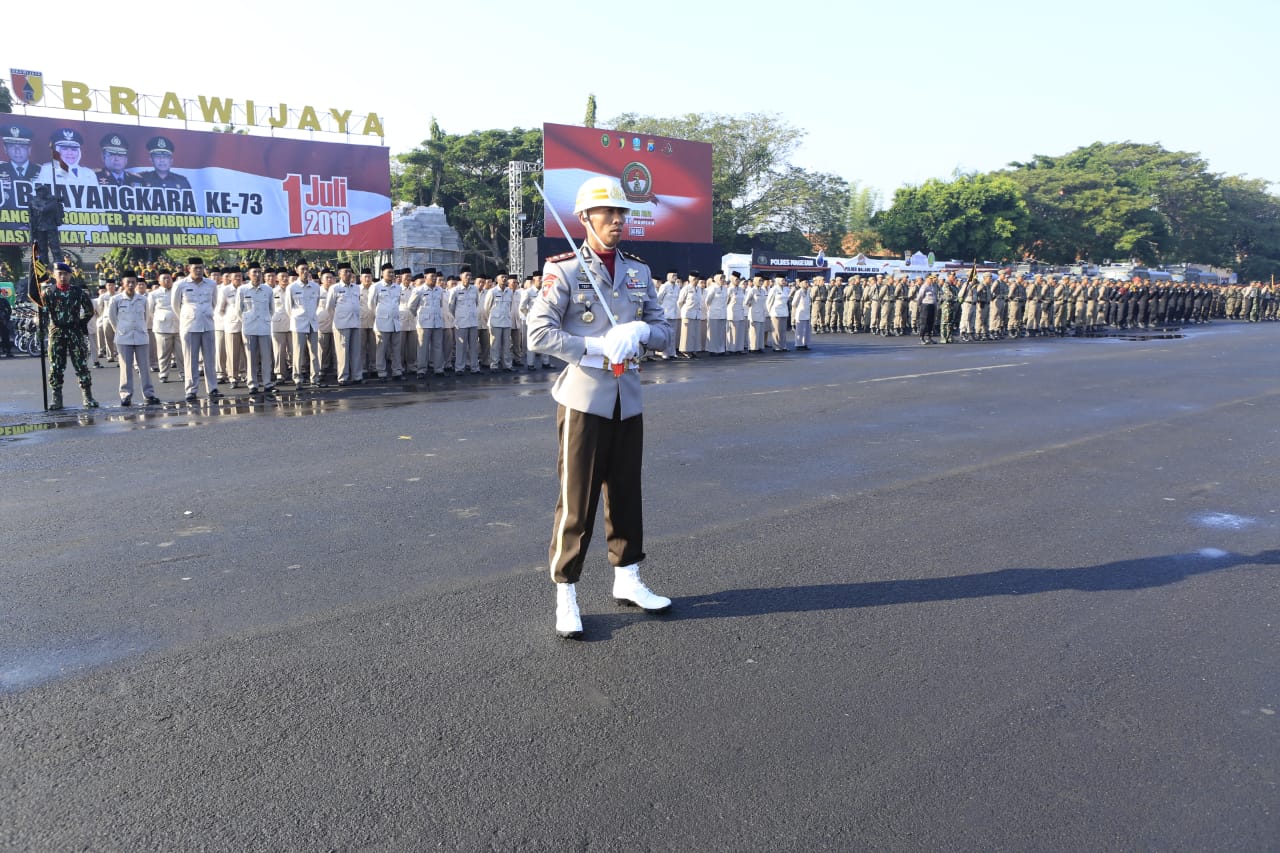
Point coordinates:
[[1121, 575]]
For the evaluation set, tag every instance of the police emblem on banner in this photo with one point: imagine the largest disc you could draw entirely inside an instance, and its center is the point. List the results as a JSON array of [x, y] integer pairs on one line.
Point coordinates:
[[28, 86], [637, 182]]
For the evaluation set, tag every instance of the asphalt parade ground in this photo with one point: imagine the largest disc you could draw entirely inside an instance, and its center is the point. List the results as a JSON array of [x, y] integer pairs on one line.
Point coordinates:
[[1018, 595]]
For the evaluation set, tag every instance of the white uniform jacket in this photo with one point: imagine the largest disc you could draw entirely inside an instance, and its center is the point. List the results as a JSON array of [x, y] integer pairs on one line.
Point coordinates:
[[384, 302], [568, 311], [163, 320], [464, 305], [256, 304], [344, 302], [193, 303], [128, 317], [302, 302]]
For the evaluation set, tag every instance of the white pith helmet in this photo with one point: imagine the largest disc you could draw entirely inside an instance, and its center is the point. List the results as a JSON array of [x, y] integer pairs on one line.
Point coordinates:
[[600, 192]]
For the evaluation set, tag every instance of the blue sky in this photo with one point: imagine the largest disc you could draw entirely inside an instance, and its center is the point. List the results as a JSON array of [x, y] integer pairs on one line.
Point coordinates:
[[887, 94]]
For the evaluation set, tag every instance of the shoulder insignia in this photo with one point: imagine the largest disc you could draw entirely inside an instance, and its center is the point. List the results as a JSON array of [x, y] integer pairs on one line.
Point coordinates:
[[557, 258], [632, 256]]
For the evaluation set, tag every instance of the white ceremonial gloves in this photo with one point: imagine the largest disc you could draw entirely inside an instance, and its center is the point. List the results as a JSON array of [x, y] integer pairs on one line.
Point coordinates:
[[623, 341], [595, 345]]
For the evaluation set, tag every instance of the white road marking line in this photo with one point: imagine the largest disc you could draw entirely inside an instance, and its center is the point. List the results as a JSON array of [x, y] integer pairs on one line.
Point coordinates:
[[943, 372]]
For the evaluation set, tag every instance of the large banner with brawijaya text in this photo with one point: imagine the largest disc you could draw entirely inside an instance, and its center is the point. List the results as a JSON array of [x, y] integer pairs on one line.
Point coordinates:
[[667, 181], [125, 185]]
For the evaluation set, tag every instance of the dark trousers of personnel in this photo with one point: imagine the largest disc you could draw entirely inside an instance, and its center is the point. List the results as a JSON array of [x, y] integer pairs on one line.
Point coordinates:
[[927, 318], [597, 454]]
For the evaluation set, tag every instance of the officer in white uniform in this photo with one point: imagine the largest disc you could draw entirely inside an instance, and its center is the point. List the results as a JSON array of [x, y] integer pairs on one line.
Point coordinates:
[[324, 319], [669, 297], [164, 324], [693, 315], [370, 340], [302, 303], [427, 303], [528, 295], [193, 300], [384, 302], [127, 315], [464, 305], [497, 307], [757, 312], [232, 325], [344, 300], [255, 302], [101, 329], [716, 298], [281, 340], [599, 416], [778, 305]]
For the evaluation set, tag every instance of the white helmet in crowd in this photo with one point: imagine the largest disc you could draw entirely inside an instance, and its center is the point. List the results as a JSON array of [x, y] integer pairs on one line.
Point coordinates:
[[600, 191]]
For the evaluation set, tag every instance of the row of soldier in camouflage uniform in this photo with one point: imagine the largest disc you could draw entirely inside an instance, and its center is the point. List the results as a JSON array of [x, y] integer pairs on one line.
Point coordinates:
[[985, 306]]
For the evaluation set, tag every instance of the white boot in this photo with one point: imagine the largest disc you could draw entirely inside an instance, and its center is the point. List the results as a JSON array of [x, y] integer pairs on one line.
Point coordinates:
[[627, 589], [568, 621]]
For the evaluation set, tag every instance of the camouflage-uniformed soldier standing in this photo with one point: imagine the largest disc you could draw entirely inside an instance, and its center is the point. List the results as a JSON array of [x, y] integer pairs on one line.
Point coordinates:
[[949, 309], [997, 314], [1017, 302], [821, 293], [835, 308], [70, 309]]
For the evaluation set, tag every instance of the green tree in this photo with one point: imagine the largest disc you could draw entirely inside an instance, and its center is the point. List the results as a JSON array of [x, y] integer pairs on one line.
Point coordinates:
[[590, 120], [1121, 201], [467, 176], [1252, 227], [864, 202], [860, 235], [813, 206], [749, 155], [6, 98], [970, 216]]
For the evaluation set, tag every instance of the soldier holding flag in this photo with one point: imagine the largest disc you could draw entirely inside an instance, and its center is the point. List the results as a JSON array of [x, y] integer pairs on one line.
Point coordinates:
[[597, 311], [70, 309]]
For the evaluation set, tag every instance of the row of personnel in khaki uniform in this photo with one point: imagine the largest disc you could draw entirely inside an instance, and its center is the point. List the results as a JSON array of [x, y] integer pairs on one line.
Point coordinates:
[[976, 306]]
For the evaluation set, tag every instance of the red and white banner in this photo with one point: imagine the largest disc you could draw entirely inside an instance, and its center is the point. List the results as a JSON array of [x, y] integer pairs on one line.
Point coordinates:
[[667, 181], [162, 188]]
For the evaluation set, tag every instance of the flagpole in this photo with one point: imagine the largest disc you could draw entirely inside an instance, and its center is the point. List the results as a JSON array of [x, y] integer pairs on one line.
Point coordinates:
[[33, 287]]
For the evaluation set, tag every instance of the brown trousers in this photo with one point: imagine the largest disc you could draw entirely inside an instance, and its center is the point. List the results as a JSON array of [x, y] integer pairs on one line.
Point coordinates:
[[597, 452]]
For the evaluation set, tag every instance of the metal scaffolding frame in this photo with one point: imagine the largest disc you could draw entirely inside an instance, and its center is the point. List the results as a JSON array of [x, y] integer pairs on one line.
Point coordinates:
[[515, 188]]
